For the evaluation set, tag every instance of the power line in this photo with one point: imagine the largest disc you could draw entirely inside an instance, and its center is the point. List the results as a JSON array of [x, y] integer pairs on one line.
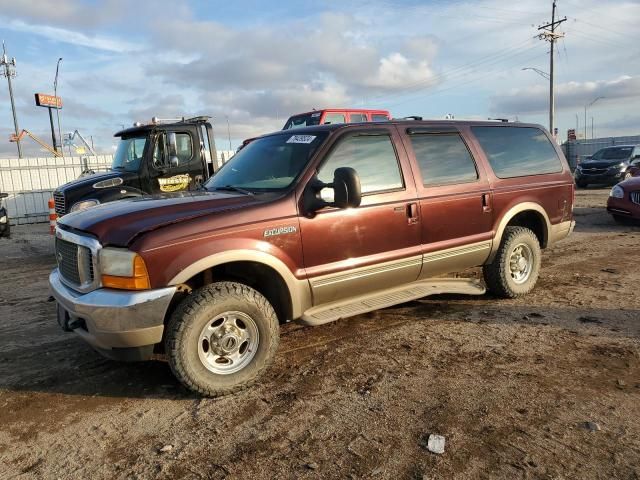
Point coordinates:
[[548, 33]]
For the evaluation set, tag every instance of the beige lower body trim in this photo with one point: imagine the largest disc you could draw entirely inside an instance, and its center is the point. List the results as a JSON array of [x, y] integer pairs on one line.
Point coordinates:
[[560, 231], [455, 259], [361, 280]]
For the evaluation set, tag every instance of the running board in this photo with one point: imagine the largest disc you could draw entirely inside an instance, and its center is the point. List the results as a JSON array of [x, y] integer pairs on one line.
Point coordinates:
[[386, 298]]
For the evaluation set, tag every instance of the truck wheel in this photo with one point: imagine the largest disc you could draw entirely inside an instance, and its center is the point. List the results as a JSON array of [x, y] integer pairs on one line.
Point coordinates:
[[515, 269], [221, 338]]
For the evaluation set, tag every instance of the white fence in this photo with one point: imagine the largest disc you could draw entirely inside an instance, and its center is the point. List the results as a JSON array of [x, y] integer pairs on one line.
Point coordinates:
[[30, 182]]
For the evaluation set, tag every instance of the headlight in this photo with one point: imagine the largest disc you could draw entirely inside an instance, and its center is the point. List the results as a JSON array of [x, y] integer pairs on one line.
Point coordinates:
[[83, 205], [121, 268], [3, 219], [616, 168], [617, 192], [578, 168]]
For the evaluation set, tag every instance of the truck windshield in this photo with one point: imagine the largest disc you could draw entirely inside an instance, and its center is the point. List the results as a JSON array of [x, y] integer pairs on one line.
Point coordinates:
[[306, 120], [129, 154], [267, 164]]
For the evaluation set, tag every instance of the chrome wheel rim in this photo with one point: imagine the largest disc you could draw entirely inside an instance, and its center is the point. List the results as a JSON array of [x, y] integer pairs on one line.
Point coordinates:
[[521, 263], [228, 342]]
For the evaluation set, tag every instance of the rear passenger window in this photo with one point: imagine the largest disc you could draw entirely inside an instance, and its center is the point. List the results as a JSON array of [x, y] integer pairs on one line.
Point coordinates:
[[518, 151], [334, 118], [372, 156], [377, 117], [357, 118], [443, 159]]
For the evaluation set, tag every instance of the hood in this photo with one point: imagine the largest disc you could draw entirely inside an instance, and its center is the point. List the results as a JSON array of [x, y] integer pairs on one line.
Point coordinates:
[[602, 163], [631, 184], [89, 180], [117, 223]]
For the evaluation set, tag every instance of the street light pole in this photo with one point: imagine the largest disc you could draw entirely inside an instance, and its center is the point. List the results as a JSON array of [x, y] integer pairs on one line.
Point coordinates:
[[585, 114], [9, 71], [55, 94]]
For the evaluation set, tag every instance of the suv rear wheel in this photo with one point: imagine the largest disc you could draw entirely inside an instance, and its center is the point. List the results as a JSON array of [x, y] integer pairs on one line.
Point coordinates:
[[221, 338], [515, 269]]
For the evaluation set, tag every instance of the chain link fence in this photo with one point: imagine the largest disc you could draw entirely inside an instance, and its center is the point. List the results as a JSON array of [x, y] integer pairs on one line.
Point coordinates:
[[577, 150]]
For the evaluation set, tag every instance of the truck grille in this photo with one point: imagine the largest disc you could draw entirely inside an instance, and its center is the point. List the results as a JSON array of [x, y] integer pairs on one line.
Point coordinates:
[[635, 197], [58, 198], [75, 262]]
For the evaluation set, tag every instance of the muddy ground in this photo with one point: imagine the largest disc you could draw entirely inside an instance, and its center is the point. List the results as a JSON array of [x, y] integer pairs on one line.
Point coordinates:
[[510, 384]]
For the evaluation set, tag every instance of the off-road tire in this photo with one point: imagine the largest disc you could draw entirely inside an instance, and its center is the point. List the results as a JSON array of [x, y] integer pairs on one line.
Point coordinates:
[[497, 274], [193, 313]]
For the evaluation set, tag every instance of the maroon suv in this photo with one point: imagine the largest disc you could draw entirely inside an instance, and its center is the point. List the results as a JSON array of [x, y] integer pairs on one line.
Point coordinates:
[[314, 225]]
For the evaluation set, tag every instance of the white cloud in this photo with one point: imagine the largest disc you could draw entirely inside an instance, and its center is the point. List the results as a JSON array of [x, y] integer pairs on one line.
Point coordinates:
[[56, 34]]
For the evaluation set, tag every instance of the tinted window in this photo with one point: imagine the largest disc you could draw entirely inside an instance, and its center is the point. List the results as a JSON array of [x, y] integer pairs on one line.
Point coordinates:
[[443, 159], [517, 151], [334, 118], [357, 117], [300, 121], [184, 147], [372, 156], [377, 117], [620, 153], [269, 163]]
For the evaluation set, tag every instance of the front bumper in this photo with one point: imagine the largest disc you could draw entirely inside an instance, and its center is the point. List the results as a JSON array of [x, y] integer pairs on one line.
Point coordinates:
[[120, 324], [604, 178], [623, 207]]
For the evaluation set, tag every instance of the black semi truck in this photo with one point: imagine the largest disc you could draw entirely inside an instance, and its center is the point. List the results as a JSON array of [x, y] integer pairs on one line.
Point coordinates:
[[166, 155]]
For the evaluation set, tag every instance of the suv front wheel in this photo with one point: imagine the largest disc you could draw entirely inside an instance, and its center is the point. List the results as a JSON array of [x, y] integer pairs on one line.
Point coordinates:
[[516, 267], [221, 338]]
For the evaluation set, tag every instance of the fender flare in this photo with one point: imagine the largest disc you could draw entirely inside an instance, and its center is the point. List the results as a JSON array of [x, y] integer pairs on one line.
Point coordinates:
[[509, 215], [299, 290]]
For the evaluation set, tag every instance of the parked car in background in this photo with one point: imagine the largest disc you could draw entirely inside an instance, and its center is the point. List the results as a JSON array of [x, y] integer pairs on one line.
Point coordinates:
[[607, 166], [5, 228], [312, 225], [624, 201], [329, 116], [336, 115]]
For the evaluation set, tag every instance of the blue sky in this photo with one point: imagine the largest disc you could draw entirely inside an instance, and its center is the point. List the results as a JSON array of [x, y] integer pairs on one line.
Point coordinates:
[[256, 63]]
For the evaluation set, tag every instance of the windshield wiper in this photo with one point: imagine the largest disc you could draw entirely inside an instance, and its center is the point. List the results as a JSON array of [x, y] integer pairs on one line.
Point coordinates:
[[233, 188]]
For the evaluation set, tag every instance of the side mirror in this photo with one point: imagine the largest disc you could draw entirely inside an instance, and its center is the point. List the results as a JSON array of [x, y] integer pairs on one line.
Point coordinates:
[[346, 188], [346, 191], [4, 195], [172, 145]]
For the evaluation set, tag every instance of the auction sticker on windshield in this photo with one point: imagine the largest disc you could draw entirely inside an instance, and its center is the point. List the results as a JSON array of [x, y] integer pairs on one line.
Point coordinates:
[[301, 139]]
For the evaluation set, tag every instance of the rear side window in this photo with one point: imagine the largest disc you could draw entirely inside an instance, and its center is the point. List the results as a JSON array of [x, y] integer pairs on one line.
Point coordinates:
[[443, 159], [377, 117], [334, 118], [518, 151], [372, 156], [357, 117]]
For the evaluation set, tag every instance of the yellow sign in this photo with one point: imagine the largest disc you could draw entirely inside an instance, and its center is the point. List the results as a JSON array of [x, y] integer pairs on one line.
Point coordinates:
[[175, 183]]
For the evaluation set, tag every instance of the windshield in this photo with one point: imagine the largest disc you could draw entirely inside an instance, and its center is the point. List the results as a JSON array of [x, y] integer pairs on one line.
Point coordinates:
[[305, 120], [613, 153], [129, 154], [267, 164]]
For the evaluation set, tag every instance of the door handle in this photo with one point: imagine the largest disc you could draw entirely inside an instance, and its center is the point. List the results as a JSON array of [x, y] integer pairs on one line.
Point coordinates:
[[412, 213], [486, 203]]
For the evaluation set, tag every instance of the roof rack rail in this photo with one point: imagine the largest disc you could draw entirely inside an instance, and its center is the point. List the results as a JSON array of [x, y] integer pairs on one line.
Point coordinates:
[[411, 117], [503, 120]]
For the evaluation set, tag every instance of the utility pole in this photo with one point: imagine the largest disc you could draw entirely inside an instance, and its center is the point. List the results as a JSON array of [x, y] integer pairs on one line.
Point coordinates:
[[55, 94], [9, 71], [548, 33]]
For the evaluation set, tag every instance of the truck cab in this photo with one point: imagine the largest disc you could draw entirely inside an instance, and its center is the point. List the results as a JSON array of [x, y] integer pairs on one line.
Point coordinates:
[[160, 157]]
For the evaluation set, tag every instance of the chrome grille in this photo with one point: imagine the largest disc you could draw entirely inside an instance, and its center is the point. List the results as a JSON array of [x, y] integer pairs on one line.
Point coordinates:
[[635, 197], [75, 262], [58, 199]]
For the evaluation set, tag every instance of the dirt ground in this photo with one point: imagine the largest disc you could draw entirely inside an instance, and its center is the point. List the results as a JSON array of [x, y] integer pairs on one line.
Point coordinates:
[[512, 385]]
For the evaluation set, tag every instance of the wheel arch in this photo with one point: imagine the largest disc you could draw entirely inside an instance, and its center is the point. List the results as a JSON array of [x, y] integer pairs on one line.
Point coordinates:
[[266, 273], [528, 214]]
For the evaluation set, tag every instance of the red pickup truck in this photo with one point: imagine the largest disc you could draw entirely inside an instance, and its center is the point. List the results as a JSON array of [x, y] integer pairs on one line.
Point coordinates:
[[311, 225]]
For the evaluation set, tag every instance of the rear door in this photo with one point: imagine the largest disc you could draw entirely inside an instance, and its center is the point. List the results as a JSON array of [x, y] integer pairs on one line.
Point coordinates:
[[377, 245], [455, 199]]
